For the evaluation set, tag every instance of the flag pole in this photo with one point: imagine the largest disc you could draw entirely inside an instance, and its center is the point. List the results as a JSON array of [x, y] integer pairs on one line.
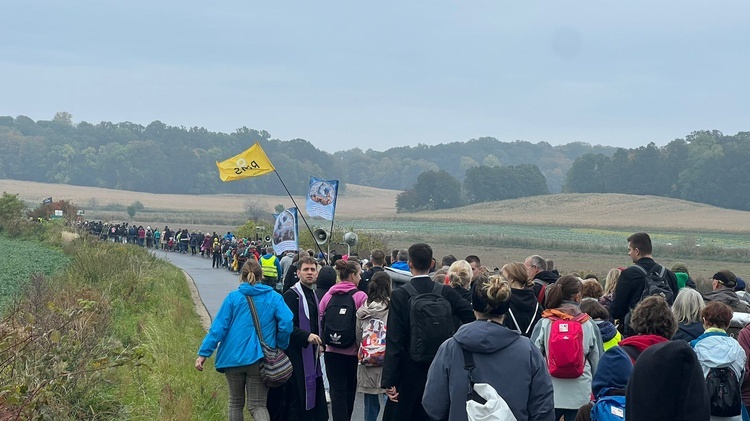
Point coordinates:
[[300, 214]]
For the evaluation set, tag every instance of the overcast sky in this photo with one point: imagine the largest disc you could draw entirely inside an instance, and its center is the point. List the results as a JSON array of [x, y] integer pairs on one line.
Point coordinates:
[[346, 74]]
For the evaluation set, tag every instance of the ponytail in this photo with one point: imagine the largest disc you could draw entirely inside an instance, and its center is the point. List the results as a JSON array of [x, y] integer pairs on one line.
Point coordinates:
[[566, 288]]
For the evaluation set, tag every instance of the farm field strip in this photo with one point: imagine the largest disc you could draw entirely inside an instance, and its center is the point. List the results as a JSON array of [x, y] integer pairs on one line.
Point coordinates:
[[19, 260]]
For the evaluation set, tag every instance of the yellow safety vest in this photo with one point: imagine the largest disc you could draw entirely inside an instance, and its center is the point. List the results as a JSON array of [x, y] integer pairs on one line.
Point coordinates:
[[269, 267]]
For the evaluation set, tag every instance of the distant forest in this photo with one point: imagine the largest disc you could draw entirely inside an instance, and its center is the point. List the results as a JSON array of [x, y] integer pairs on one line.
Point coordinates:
[[165, 159], [705, 167]]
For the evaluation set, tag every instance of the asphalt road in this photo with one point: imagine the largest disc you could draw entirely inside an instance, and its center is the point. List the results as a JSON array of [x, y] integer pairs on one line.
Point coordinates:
[[213, 286]]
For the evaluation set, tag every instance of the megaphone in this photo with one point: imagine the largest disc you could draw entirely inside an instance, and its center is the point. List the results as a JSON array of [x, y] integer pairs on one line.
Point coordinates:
[[351, 239], [267, 239], [321, 236]]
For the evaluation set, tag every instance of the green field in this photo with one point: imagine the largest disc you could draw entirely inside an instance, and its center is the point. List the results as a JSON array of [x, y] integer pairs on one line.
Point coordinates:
[[19, 260]]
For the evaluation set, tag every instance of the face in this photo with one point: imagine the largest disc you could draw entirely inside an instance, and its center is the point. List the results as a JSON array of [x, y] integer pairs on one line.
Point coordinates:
[[634, 253], [308, 274], [356, 276], [531, 271], [474, 269]]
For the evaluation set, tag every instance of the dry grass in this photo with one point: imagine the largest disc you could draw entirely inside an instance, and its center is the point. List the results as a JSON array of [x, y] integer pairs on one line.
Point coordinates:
[[357, 202], [599, 211]]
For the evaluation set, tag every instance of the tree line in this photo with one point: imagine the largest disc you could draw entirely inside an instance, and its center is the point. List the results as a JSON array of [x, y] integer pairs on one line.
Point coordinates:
[[158, 158], [706, 167]]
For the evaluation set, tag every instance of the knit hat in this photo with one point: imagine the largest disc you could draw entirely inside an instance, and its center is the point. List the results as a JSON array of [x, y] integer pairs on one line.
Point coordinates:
[[667, 384], [326, 277], [740, 284], [726, 277], [480, 303], [613, 371], [679, 267]]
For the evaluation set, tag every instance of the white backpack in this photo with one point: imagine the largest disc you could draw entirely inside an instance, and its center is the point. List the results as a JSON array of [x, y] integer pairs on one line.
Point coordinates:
[[483, 403]]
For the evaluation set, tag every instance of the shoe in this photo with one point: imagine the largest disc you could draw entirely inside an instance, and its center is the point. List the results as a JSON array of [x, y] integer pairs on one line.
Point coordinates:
[[328, 397]]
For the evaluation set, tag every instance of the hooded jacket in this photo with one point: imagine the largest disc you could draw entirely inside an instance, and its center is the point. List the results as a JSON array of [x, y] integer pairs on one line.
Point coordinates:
[[359, 297], [716, 349], [688, 331], [571, 393], [641, 342], [526, 310], [504, 359], [368, 378], [667, 385], [611, 378], [233, 330], [610, 335], [728, 297], [401, 265]]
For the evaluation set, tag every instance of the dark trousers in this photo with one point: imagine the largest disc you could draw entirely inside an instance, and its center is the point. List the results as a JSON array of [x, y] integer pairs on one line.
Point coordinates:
[[216, 263], [295, 405], [566, 414], [410, 391], [342, 378]]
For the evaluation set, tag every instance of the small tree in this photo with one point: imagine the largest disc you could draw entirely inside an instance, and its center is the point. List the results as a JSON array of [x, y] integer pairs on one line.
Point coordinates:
[[11, 211], [279, 208], [134, 208], [257, 210]]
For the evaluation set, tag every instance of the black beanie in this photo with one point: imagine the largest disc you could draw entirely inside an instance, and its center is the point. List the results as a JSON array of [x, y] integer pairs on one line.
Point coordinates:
[[326, 277], [667, 384]]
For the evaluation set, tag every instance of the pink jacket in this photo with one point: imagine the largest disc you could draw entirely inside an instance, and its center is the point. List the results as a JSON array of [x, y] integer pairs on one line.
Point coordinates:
[[360, 298]]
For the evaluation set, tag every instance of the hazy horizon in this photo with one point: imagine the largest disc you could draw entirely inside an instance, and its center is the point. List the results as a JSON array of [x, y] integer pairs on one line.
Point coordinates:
[[343, 75]]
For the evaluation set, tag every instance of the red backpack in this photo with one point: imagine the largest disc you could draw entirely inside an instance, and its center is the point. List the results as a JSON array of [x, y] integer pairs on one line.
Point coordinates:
[[565, 356]]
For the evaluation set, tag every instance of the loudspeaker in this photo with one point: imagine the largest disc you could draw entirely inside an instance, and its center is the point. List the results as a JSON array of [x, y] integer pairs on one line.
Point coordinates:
[[321, 236], [351, 239], [267, 239]]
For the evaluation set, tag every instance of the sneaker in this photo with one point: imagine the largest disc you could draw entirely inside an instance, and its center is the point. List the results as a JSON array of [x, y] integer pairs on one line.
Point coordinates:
[[328, 397]]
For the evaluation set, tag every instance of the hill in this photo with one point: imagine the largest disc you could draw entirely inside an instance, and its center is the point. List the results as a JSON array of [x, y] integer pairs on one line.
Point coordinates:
[[607, 210], [356, 202]]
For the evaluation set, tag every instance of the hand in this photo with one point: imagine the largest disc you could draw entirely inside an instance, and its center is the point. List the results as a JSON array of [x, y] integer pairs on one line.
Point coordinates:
[[392, 394], [314, 339], [199, 363]]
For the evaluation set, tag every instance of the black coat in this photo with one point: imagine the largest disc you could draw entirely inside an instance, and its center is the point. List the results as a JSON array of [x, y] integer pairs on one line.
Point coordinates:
[[630, 287], [366, 276], [298, 342], [399, 370], [523, 304]]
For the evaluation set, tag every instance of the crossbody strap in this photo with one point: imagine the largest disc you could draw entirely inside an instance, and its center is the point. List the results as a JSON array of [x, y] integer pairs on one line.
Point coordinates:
[[256, 321], [531, 322]]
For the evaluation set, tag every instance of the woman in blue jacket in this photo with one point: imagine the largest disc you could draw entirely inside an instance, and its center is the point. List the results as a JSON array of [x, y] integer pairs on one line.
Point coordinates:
[[240, 352]]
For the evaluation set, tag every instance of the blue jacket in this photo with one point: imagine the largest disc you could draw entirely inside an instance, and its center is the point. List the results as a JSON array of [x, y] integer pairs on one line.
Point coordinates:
[[234, 332], [401, 266]]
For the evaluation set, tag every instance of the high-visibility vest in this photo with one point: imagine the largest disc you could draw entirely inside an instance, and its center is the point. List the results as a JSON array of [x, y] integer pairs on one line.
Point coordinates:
[[269, 267]]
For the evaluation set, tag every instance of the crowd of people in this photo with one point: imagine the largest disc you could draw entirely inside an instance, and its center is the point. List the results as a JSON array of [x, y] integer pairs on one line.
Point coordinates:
[[458, 342]]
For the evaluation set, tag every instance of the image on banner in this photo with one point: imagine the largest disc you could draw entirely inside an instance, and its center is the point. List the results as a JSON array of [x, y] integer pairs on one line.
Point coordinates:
[[321, 198], [285, 234]]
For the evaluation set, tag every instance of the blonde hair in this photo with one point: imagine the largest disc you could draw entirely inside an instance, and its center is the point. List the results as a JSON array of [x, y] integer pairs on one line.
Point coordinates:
[[517, 273], [610, 283], [251, 272], [459, 273], [495, 291], [688, 306]]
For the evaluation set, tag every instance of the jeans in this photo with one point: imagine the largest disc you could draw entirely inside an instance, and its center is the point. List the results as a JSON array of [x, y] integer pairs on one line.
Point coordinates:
[[245, 382], [372, 406], [568, 414], [342, 376]]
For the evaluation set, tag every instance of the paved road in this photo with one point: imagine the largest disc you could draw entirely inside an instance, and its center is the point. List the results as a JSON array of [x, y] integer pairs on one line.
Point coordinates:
[[213, 286]]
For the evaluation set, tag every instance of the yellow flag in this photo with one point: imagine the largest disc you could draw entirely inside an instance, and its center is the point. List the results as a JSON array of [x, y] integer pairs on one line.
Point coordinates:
[[251, 163]]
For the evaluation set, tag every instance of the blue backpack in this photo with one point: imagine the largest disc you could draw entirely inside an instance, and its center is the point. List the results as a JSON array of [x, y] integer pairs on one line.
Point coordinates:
[[608, 408]]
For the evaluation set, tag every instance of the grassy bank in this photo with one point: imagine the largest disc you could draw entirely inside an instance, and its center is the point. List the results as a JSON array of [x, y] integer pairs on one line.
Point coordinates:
[[114, 336]]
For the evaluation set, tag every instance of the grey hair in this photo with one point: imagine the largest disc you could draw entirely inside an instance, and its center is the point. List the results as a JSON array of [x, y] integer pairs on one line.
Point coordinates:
[[537, 261], [403, 255], [688, 305]]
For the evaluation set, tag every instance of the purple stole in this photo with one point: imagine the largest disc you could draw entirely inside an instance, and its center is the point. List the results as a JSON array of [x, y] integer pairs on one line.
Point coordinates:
[[309, 359]]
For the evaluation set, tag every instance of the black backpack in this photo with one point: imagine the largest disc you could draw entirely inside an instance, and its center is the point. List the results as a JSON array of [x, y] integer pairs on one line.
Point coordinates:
[[724, 392], [430, 322], [656, 284], [339, 320]]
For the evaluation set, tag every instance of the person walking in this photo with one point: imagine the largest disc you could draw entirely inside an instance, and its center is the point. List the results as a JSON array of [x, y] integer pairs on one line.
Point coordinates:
[[525, 310], [371, 321], [338, 309], [502, 358], [240, 353], [563, 317]]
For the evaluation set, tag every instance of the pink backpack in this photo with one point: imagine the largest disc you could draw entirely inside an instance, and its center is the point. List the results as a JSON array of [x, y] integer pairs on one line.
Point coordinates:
[[565, 356]]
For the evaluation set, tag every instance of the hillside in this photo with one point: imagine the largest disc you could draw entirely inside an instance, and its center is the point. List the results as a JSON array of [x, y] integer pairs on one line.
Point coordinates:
[[607, 210], [356, 202]]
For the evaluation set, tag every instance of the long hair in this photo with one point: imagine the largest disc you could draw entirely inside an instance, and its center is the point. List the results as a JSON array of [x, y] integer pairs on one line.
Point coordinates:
[[379, 289], [517, 273], [566, 288], [611, 281]]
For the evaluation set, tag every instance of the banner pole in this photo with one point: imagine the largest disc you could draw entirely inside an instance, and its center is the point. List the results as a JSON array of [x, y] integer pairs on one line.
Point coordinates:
[[299, 213]]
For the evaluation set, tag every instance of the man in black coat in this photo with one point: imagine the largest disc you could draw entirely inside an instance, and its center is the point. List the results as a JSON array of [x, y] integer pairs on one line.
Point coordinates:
[[403, 378], [304, 400], [377, 257], [632, 280]]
